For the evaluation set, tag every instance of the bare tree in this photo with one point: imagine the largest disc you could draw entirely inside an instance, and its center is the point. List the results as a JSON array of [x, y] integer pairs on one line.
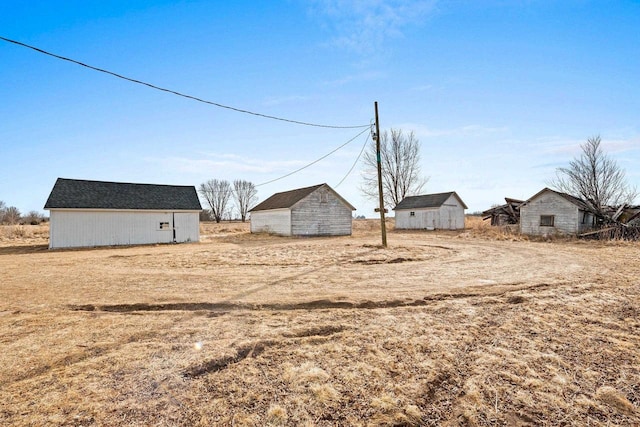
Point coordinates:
[[2, 210], [245, 194], [596, 178], [217, 193], [400, 159], [33, 218], [11, 215], [205, 215]]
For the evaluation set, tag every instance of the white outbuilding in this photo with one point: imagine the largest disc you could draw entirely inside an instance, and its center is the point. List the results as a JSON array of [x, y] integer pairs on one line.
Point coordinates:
[[441, 211], [97, 213], [309, 211], [552, 212]]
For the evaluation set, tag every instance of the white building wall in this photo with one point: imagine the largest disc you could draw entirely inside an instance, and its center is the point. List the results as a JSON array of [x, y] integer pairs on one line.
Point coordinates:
[[321, 213], [565, 213], [187, 227], [276, 221], [80, 228], [449, 216]]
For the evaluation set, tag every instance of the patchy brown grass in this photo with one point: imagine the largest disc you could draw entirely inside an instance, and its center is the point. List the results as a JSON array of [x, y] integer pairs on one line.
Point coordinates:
[[24, 234], [475, 227], [441, 328]]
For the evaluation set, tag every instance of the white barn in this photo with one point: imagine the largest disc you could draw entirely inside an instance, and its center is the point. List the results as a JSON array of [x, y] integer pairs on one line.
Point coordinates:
[[441, 211], [98, 213], [551, 212], [309, 211]]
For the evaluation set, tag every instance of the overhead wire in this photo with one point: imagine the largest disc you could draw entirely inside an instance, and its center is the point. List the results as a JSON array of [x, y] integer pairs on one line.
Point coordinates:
[[354, 163], [313, 162], [194, 98]]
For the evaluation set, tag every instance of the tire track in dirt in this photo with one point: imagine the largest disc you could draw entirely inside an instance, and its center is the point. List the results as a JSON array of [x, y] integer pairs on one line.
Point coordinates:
[[322, 304], [255, 349]]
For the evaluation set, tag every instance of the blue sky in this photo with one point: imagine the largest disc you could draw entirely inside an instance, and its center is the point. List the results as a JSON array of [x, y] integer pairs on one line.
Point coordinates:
[[499, 93]]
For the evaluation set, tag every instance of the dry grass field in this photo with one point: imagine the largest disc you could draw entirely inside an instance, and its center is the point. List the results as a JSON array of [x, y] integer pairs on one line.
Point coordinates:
[[473, 328]]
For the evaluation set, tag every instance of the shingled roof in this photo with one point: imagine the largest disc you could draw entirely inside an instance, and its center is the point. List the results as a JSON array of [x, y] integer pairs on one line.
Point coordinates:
[[287, 199], [427, 201], [83, 194]]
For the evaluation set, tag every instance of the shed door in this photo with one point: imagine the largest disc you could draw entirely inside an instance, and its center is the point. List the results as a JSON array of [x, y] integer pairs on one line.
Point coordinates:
[[183, 225], [429, 220]]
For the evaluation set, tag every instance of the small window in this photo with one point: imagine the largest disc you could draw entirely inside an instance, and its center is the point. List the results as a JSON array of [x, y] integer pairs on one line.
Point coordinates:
[[164, 226], [324, 197], [585, 217], [412, 214], [546, 220]]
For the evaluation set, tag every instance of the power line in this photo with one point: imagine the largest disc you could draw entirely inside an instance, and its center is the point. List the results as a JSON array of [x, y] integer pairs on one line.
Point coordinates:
[[315, 161], [355, 162], [194, 98]]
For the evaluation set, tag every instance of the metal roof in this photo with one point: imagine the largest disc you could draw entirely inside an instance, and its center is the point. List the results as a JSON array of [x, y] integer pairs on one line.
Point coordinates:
[[286, 199], [427, 201], [84, 194]]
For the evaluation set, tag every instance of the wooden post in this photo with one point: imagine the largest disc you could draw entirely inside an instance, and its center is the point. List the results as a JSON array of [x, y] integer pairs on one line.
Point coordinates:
[[383, 225]]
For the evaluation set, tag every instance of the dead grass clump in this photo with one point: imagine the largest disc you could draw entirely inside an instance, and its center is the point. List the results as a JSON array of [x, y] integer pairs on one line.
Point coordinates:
[[305, 374], [276, 415], [615, 399], [325, 393], [385, 403], [390, 412], [243, 420]]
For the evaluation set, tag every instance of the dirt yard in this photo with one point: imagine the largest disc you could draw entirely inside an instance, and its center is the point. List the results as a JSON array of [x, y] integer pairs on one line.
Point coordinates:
[[442, 328]]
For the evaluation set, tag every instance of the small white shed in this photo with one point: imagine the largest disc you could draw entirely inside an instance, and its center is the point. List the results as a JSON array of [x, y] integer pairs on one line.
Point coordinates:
[[551, 212], [440, 211], [98, 213], [309, 211]]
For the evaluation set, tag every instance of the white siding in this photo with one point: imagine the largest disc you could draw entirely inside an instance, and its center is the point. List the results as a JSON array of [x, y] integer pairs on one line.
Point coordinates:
[[321, 213], [565, 213], [187, 227], [79, 228], [449, 216], [276, 221]]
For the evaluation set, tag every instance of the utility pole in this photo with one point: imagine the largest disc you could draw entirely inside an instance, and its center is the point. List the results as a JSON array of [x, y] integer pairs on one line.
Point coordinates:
[[383, 225]]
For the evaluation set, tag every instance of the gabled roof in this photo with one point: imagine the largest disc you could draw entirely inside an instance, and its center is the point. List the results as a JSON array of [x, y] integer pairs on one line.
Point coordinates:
[[575, 200], [84, 194], [427, 201], [287, 199]]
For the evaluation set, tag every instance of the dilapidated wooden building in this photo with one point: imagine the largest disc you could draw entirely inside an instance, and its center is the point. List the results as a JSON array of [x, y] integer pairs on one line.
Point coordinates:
[[506, 214], [551, 212]]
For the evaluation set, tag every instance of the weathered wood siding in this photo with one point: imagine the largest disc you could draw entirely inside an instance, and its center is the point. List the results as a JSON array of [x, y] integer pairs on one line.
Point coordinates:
[[566, 215], [276, 221], [449, 216], [321, 213], [86, 228]]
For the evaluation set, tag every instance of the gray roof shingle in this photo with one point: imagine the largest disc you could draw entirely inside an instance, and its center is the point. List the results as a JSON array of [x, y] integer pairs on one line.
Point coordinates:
[[427, 201], [84, 194]]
